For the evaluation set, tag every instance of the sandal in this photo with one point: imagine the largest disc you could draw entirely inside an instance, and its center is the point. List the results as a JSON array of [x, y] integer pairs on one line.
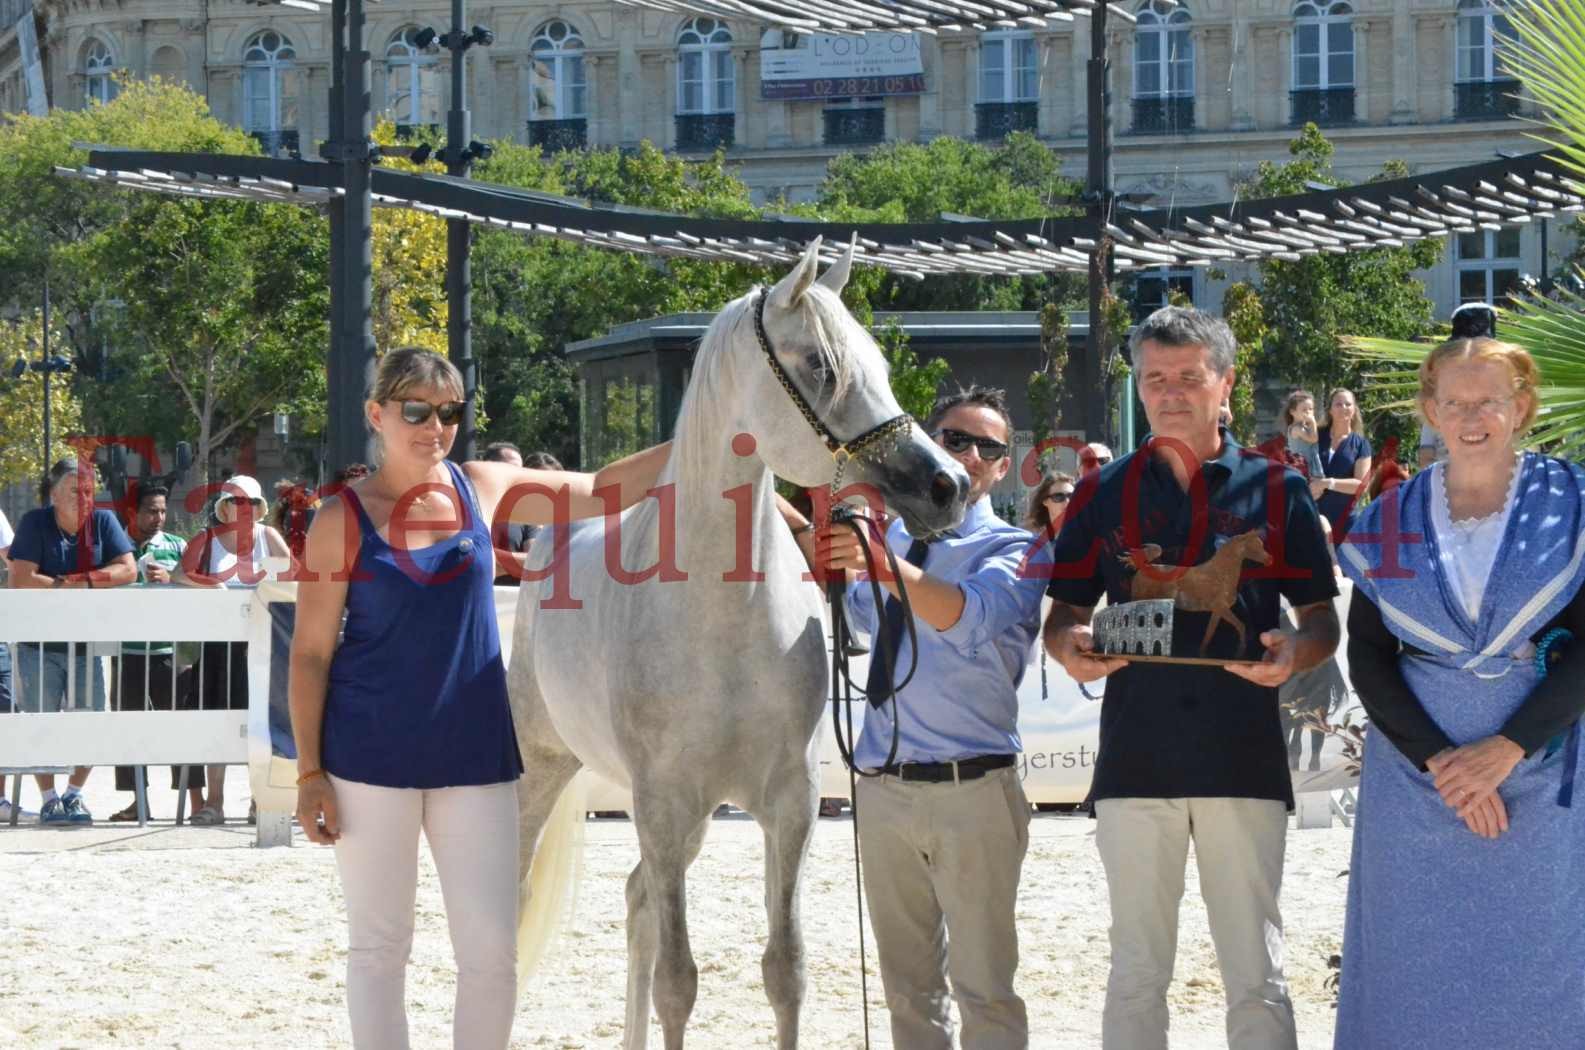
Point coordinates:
[[125, 816], [209, 816]]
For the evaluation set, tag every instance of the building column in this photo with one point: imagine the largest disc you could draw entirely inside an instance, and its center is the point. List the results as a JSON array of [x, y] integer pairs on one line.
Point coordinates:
[[1079, 83], [1361, 71], [1285, 75], [1046, 106], [930, 98], [1446, 105], [745, 74], [628, 78], [1202, 88], [1405, 73], [1243, 76], [670, 94], [135, 56]]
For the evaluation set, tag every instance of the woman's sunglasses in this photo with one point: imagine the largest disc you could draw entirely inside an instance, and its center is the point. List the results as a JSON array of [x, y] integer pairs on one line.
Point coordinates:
[[958, 442], [418, 412], [1058, 497]]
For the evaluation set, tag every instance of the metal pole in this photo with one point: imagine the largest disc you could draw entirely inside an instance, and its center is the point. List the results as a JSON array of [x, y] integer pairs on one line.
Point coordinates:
[[349, 442], [1098, 195], [459, 267], [336, 363], [44, 366], [1546, 271]]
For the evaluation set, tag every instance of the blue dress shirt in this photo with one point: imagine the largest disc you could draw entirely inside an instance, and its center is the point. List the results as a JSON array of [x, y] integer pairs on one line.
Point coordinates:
[[963, 699]]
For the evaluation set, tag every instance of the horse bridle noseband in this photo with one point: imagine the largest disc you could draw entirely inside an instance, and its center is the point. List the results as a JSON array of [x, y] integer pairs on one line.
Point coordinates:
[[868, 443]]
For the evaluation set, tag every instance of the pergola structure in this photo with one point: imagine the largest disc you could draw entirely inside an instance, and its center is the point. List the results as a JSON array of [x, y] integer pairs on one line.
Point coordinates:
[[349, 184]]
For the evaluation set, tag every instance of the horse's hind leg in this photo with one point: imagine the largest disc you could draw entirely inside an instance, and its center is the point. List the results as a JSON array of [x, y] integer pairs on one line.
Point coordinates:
[[670, 831], [642, 945], [788, 824]]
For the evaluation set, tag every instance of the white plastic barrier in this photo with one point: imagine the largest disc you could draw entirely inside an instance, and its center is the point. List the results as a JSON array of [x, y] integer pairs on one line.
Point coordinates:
[[1059, 725]]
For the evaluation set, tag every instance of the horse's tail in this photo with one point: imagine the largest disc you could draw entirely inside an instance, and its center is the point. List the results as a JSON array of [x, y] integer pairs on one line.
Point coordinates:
[[548, 892]]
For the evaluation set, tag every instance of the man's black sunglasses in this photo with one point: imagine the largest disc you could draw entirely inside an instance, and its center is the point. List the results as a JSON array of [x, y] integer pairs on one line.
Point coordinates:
[[418, 412], [957, 441]]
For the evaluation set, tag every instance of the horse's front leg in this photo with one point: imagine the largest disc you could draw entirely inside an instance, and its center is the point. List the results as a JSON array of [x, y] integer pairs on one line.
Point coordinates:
[[788, 820], [669, 837]]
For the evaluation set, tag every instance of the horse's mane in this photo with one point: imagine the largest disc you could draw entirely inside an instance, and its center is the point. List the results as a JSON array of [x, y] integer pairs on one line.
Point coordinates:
[[699, 426]]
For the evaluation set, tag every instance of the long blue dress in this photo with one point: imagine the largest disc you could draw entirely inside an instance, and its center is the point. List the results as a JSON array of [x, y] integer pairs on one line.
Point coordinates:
[[1452, 941]]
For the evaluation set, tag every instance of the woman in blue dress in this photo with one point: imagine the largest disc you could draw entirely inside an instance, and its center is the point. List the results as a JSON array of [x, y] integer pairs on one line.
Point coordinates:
[[1466, 900], [1345, 461], [401, 717]]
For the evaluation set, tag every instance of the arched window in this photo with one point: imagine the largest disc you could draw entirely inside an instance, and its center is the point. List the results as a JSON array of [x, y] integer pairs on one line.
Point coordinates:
[[412, 81], [559, 88], [1323, 45], [98, 69], [1482, 88], [1163, 69], [269, 87], [1009, 71], [706, 79]]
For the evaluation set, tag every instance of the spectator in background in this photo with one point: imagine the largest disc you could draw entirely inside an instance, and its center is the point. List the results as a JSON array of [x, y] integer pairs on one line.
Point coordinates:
[[146, 677], [1301, 432], [1345, 461], [1048, 502], [230, 553], [511, 539], [1093, 456], [66, 544], [5, 677], [5, 653], [294, 510]]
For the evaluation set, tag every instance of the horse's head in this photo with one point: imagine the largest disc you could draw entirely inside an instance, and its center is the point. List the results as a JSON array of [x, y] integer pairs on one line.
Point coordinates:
[[1251, 546], [840, 375]]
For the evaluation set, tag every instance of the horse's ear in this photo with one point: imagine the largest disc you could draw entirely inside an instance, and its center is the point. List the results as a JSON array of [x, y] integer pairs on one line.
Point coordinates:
[[836, 278], [790, 289]]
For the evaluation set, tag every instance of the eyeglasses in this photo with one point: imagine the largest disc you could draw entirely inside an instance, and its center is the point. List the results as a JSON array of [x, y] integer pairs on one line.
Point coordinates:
[[223, 500], [418, 412], [1058, 497], [1455, 407], [958, 442]]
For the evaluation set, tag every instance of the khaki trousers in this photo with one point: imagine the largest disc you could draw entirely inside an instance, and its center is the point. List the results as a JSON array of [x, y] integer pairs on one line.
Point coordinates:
[[941, 869], [1238, 848]]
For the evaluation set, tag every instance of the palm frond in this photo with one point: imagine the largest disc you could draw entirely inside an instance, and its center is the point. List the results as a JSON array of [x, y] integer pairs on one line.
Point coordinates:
[[1553, 331]]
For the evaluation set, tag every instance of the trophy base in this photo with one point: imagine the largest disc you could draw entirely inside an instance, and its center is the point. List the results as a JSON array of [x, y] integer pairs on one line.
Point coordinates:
[[1199, 660]]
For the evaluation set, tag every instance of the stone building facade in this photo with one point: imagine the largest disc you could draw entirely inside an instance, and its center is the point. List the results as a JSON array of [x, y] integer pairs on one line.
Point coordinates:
[[1201, 93]]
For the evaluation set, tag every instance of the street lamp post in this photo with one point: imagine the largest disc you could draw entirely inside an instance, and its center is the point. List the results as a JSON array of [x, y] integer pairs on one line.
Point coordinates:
[[46, 365]]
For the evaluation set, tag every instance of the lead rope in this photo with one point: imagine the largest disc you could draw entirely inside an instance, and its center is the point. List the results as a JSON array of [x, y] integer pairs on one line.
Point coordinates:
[[842, 694]]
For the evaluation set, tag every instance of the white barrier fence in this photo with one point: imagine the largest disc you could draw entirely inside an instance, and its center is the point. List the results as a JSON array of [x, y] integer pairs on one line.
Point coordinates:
[[1060, 726]]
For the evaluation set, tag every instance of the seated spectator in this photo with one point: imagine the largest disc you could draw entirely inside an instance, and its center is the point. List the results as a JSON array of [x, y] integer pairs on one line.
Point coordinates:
[[146, 678], [230, 553], [66, 544]]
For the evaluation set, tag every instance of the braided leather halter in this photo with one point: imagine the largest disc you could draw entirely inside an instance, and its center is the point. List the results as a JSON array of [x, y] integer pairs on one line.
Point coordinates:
[[871, 442]]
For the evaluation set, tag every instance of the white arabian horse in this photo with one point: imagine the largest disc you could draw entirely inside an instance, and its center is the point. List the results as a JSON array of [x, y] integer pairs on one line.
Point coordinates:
[[710, 690]]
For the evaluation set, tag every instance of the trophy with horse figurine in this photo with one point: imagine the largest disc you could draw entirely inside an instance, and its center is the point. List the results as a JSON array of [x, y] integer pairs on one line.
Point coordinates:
[[1182, 615]]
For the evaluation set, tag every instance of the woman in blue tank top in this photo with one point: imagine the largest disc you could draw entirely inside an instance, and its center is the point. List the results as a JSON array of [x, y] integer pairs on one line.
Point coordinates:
[[401, 718]]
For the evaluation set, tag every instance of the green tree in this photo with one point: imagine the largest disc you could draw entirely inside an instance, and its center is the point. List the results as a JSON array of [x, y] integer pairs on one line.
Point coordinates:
[[22, 404], [1308, 305], [909, 182]]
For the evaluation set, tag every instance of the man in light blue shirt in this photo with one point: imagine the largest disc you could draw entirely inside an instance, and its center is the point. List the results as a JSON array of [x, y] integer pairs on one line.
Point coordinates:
[[945, 827]]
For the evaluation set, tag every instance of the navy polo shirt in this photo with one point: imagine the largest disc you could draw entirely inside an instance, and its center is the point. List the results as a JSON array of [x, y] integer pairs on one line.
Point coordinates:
[[1187, 730]]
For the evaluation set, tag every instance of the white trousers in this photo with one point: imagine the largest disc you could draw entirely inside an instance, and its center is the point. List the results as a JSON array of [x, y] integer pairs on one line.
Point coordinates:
[[1238, 847], [472, 833]]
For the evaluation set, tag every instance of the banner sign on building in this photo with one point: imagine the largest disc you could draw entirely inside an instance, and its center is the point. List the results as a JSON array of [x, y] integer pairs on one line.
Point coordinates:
[[32, 66], [818, 65]]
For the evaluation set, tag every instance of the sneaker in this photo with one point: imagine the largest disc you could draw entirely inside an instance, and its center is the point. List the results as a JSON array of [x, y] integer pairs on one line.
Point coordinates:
[[53, 814], [76, 809], [23, 816]]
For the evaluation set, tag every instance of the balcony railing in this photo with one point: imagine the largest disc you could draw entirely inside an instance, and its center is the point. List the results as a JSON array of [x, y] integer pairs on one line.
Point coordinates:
[[855, 127], [1326, 107], [994, 121], [555, 135], [705, 131], [277, 143], [1163, 115], [1485, 99]]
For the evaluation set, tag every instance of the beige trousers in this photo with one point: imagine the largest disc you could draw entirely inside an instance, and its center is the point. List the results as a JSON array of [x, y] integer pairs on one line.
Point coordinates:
[[941, 869], [472, 833], [1238, 848]]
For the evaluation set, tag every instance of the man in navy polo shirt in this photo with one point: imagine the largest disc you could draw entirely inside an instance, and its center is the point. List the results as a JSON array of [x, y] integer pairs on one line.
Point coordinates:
[[1192, 751]]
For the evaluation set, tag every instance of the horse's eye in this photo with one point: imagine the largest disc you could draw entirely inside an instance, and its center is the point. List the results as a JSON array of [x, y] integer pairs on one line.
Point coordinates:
[[818, 371]]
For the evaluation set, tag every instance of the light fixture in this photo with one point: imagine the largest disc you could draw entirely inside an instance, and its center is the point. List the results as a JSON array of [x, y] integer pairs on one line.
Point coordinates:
[[424, 39]]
